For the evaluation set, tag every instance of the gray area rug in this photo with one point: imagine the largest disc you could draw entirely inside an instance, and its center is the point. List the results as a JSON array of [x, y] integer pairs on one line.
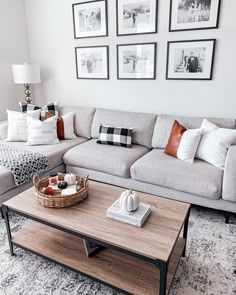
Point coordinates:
[[209, 266]]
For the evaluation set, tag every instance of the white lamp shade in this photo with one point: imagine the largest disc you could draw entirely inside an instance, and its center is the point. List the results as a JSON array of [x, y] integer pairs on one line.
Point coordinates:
[[26, 74]]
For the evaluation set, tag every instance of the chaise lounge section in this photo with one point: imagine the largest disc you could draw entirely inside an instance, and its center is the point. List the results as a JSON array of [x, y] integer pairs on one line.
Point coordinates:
[[54, 153]]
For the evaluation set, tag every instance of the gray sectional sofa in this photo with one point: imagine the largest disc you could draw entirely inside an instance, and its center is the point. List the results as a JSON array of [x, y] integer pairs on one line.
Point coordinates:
[[144, 167]]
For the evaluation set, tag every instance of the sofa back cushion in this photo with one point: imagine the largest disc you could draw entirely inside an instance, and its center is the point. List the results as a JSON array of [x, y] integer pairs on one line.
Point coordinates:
[[83, 118], [142, 124], [164, 124]]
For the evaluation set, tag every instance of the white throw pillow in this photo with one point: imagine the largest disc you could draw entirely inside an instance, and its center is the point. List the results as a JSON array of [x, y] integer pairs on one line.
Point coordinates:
[[65, 125], [68, 122], [42, 132], [208, 126], [189, 144], [3, 130], [17, 124], [215, 143]]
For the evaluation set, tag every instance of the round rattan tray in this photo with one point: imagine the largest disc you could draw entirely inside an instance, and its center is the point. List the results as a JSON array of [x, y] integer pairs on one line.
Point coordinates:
[[57, 200]]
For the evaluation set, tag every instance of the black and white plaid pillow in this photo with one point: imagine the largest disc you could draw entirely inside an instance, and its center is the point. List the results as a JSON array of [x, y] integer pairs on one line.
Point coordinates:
[[115, 136], [52, 108], [26, 107]]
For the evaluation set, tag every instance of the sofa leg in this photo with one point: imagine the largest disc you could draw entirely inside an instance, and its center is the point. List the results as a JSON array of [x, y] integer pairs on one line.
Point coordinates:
[[227, 216]]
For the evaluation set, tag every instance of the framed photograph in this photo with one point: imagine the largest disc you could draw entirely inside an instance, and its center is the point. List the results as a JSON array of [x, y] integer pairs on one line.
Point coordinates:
[[194, 14], [136, 61], [136, 17], [90, 19], [190, 60], [92, 62]]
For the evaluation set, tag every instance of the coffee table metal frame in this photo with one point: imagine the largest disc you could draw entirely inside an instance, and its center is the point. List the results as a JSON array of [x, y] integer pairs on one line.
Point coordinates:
[[162, 265]]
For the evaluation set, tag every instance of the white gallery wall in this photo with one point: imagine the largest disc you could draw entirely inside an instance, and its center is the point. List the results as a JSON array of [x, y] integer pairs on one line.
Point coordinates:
[[51, 42], [13, 50]]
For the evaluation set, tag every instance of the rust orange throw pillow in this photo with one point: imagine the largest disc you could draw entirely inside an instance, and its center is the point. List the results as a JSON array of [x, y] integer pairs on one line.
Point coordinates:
[[65, 126], [176, 134]]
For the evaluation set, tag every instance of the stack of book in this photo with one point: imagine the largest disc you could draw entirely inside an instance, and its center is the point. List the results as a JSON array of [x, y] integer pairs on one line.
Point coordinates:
[[136, 217]]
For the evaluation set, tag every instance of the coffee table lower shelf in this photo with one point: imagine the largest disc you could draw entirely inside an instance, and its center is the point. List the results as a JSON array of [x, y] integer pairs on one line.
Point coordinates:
[[115, 269]]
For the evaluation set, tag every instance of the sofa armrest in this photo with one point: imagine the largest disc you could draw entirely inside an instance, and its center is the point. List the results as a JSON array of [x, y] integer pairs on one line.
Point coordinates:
[[229, 180], [3, 130]]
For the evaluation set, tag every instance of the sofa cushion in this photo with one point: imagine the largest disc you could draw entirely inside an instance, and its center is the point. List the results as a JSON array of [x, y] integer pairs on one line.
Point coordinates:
[[164, 124], [142, 124], [229, 180], [104, 158], [83, 118], [54, 153], [200, 178]]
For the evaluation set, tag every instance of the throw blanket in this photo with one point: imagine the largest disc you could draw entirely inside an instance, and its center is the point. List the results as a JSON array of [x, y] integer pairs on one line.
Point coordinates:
[[22, 164]]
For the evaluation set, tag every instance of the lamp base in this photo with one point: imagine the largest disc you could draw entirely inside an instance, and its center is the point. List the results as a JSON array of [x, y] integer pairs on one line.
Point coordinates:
[[28, 97]]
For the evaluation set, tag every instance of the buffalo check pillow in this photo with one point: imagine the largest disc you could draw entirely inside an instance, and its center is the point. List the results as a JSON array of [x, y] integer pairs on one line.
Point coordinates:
[[52, 108], [115, 136]]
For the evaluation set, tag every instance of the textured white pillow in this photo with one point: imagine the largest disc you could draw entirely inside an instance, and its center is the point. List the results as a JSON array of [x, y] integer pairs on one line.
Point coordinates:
[[68, 122], [42, 132], [215, 143], [189, 144], [3, 130], [65, 125], [208, 126], [17, 125]]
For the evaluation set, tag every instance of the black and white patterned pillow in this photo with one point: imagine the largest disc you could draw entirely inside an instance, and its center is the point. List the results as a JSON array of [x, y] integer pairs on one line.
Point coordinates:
[[115, 136], [26, 107], [52, 108]]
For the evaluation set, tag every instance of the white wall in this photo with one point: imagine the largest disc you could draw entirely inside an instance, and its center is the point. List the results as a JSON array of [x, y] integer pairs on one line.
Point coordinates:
[[13, 49], [52, 46]]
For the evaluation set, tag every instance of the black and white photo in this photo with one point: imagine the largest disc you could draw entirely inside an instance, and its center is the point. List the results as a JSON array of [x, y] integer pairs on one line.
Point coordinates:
[[190, 60], [92, 62], [90, 19], [194, 14], [136, 61], [136, 17]]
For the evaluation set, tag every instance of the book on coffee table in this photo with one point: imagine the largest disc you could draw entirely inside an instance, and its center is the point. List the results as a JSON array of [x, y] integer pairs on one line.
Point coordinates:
[[136, 217]]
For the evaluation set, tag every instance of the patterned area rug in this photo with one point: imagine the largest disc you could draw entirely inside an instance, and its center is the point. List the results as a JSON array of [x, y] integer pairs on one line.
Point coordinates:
[[209, 266]]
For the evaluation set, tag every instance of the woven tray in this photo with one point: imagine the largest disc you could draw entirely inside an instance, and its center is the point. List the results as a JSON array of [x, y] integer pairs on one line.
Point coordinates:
[[57, 200]]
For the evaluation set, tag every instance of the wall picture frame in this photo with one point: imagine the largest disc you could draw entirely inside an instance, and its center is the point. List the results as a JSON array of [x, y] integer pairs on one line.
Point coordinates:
[[92, 62], [90, 19], [190, 60], [186, 15], [136, 61], [136, 17]]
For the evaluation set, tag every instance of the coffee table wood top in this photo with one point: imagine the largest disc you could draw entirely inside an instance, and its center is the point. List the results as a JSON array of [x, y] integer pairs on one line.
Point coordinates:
[[154, 240]]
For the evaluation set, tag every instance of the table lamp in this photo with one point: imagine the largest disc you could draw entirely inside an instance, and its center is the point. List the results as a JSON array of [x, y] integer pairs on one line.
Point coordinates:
[[26, 74]]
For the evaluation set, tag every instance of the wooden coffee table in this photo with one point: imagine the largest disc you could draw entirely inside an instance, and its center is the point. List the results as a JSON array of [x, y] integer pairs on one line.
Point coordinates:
[[134, 261]]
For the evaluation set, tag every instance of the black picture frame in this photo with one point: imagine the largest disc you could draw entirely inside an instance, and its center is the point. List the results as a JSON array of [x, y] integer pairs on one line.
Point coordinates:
[[141, 33], [87, 3], [216, 26], [191, 41], [107, 61], [135, 44]]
